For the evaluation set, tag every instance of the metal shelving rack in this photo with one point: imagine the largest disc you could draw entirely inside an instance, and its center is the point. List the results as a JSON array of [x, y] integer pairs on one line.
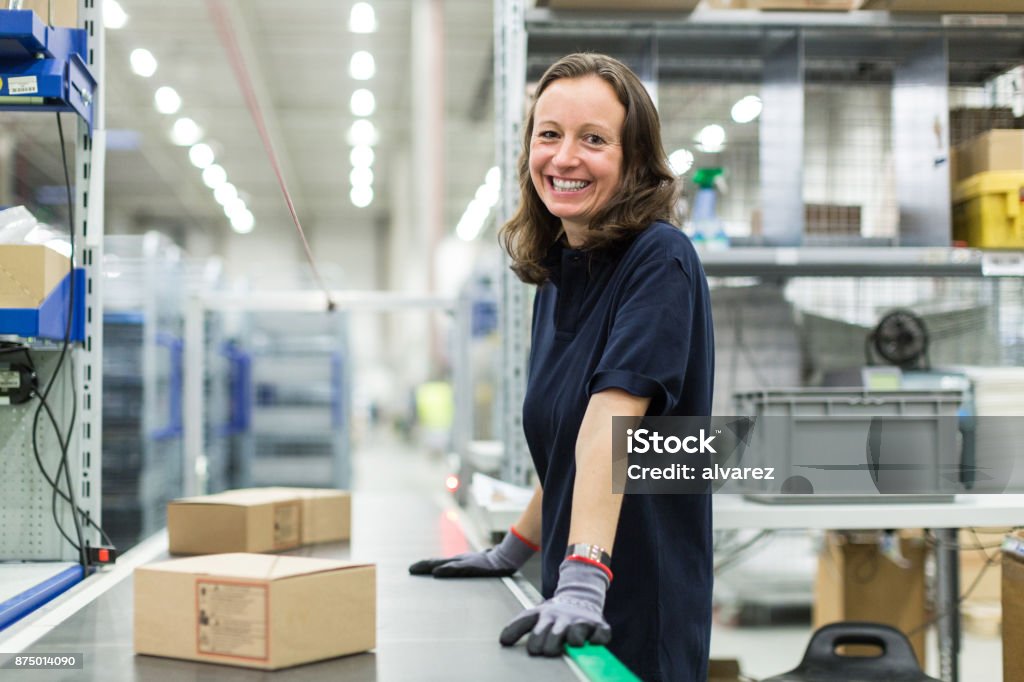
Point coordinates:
[[29, 532], [919, 55], [143, 321]]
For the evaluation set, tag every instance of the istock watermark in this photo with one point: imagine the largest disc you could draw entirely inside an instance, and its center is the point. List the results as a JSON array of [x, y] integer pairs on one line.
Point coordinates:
[[840, 456]]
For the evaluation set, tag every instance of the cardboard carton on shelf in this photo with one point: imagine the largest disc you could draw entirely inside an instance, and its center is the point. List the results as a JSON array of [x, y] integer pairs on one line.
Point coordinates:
[[1013, 607], [856, 581], [28, 273], [806, 5], [995, 150], [947, 6], [257, 520], [65, 12], [254, 610], [621, 5]]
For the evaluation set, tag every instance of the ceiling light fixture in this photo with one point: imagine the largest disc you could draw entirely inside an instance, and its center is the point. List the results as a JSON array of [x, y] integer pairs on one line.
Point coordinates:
[[143, 62], [225, 193], [362, 18], [747, 109], [711, 138], [235, 207], [186, 132], [362, 103], [201, 155], [363, 132], [361, 176], [243, 222], [214, 176], [362, 66], [493, 177], [167, 100], [361, 196], [681, 160], [361, 156], [113, 15]]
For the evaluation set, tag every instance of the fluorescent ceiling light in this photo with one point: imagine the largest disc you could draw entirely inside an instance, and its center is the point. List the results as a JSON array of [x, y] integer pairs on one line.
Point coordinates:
[[225, 193], [493, 176], [362, 67], [362, 18], [362, 132], [361, 176], [113, 15], [185, 132], [681, 160], [214, 176], [711, 138], [235, 207], [361, 196], [201, 155], [362, 103], [167, 100], [487, 195], [243, 222], [361, 156], [472, 222], [143, 62], [747, 109]]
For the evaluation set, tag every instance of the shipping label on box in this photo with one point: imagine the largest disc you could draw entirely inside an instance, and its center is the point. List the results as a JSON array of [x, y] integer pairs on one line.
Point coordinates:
[[254, 610]]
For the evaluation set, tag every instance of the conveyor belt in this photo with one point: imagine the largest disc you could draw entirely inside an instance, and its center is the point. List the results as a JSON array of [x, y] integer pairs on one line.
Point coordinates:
[[426, 629]]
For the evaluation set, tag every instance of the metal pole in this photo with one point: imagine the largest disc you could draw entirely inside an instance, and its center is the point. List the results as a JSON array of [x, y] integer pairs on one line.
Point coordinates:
[[509, 89]]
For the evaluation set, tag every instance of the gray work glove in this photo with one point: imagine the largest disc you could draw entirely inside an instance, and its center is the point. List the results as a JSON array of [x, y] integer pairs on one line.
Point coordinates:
[[573, 616], [497, 562]]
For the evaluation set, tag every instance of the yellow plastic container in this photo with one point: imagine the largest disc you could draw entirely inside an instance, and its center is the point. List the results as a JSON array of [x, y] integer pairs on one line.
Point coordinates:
[[988, 210]]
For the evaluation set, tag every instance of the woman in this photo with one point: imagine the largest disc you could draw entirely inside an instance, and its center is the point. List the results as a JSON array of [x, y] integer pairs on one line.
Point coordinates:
[[621, 327]]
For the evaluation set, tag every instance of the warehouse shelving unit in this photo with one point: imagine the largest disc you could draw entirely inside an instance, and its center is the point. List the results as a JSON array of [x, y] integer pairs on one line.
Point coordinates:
[[27, 530], [287, 354], [918, 56], [143, 371]]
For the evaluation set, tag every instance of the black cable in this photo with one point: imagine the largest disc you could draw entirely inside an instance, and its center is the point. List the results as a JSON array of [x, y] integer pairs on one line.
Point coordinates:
[[83, 555], [53, 485], [61, 439], [991, 560]]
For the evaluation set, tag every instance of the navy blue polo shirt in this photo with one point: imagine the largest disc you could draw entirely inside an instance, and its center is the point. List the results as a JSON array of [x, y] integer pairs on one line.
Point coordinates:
[[637, 319]]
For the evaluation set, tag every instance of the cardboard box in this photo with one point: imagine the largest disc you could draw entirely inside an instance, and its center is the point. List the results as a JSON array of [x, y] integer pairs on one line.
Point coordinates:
[[996, 150], [326, 514], [255, 610], [855, 581], [1013, 607], [257, 520], [947, 6], [723, 670], [976, 561], [621, 5], [65, 12], [28, 273], [806, 5]]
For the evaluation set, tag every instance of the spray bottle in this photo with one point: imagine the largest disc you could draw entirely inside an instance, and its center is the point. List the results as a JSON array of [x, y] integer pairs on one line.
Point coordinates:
[[707, 227]]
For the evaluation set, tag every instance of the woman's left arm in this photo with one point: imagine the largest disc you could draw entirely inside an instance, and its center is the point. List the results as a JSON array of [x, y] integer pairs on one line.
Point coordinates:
[[595, 508]]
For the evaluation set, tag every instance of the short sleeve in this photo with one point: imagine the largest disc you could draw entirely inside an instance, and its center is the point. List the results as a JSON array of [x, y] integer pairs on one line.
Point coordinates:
[[649, 341]]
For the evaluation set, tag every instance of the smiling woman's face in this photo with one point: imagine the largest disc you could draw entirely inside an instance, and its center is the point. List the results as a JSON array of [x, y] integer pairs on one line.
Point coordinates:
[[576, 150]]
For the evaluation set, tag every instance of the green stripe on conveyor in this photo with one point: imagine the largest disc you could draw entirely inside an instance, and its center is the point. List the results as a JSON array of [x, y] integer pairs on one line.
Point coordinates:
[[599, 664]]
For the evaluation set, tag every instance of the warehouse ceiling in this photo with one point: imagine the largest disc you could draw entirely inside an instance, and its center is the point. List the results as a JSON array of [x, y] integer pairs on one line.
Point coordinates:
[[297, 54]]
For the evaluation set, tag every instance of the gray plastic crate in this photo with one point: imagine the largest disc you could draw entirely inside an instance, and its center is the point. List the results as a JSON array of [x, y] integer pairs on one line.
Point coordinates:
[[852, 444]]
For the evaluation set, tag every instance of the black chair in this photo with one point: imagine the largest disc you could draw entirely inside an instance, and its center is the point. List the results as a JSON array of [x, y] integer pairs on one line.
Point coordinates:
[[822, 663]]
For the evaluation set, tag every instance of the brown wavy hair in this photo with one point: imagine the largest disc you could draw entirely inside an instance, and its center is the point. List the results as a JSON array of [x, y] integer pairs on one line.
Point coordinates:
[[647, 189]]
